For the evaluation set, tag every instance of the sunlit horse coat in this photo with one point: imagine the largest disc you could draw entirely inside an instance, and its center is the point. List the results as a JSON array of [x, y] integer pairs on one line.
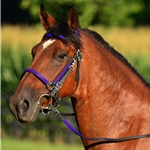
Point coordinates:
[[111, 100]]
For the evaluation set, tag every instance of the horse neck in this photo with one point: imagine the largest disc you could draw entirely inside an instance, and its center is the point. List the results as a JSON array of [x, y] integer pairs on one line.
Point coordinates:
[[110, 97]]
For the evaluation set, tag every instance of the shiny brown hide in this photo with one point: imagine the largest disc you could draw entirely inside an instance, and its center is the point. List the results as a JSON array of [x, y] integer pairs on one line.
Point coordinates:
[[110, 101]]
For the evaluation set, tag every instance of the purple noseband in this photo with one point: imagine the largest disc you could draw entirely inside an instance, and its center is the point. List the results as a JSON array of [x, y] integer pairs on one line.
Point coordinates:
[[44, 80], [63, 72], [38, 75]]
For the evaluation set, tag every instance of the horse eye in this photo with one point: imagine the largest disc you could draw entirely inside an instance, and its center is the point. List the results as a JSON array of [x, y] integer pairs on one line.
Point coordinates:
[[62, 56]]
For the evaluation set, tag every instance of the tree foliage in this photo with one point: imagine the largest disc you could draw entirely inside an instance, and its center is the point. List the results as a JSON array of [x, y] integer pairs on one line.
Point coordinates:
[[108, 13]]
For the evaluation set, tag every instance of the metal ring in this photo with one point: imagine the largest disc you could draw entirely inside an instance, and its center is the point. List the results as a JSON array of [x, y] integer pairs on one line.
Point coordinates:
[[38, 101]]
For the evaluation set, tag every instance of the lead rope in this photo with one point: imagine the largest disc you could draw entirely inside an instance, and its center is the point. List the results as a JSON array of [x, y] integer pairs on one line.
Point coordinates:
[[101, 139]]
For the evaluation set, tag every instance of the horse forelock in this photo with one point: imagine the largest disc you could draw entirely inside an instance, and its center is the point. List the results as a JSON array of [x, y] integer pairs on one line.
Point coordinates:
[[70, 36], [98, 38]]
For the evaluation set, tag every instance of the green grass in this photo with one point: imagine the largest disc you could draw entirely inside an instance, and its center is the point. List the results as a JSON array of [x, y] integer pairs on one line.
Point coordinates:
[[16, 144]]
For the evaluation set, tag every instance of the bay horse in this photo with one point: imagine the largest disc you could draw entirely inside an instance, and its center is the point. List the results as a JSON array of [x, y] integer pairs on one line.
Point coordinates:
[[109, 97]]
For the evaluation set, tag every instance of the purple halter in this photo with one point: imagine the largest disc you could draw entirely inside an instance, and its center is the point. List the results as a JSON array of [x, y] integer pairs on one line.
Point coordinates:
[[44, 80], [55, 85]]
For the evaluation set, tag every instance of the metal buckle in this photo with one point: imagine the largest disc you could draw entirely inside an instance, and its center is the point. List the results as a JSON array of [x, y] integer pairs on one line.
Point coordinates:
[[54, 110], [79, 55], [49, 85], [58, 86]]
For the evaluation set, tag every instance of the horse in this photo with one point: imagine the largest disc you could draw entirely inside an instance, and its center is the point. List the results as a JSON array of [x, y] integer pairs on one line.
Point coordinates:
[[109, 97]]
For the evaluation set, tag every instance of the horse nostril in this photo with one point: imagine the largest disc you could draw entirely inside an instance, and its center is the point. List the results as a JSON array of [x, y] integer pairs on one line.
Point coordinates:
[[24, 106]]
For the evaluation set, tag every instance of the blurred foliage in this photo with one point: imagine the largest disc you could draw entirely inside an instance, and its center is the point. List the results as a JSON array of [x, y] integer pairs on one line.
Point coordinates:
[[13, 63], [108, 13], [27, 144]]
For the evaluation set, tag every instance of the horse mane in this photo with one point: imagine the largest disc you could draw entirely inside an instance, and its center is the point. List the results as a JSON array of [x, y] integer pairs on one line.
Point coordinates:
[[98, 38], [71, 36]]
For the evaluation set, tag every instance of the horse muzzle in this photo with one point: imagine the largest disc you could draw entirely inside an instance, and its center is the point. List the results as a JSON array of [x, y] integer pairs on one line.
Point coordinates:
[[24, 110]]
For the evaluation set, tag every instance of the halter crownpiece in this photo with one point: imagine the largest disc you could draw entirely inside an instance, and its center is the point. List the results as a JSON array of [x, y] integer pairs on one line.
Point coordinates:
[[50, 35]]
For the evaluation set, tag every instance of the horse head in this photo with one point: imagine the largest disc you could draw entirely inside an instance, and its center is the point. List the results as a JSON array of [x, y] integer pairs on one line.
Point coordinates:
[[56, 49]]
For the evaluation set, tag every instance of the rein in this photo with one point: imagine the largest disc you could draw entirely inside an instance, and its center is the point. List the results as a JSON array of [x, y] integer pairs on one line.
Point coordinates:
[[101, 139], [54, 93]]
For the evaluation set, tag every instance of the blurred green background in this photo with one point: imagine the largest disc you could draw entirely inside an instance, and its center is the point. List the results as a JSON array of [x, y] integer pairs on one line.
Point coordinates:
[[124, 24]]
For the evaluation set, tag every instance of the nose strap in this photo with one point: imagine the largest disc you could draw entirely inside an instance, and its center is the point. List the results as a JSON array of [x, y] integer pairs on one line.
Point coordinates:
[[38, 75], [44, 80]]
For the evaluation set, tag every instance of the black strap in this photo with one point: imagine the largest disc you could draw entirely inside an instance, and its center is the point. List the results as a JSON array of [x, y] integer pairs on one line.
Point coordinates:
[[76, 78], [119, 140], [101, 140]]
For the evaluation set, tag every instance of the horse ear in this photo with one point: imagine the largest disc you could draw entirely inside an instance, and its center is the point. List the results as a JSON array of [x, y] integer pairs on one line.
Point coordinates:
[[72, 18], [46, 19]]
